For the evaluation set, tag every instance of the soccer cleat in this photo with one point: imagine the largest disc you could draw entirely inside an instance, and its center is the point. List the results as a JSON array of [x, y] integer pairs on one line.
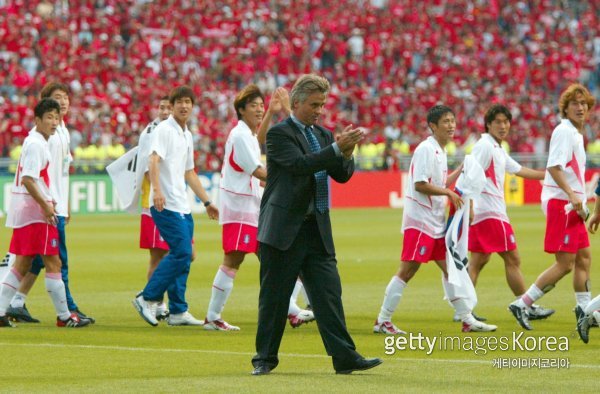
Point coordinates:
[[456, 318], [147, 310], [162, 312], [537, 312], [302, 317], [73, 321], [5, 322], [521, 315], [219, 325], [183, 319], [20, 315], [478, 326], [83, 316], [579, 312], [387, 327], [583, 324], [596, 316]]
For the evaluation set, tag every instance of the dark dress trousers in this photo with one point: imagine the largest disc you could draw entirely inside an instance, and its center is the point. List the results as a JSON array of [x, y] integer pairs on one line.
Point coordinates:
[[294, 244]]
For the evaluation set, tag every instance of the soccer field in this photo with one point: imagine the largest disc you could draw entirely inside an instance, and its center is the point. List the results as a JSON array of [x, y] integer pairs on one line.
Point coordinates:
[[123, 353]]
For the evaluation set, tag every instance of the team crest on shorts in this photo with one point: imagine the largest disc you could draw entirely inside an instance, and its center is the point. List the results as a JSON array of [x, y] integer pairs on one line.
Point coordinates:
[[566, 239], [246, 239], [54, 242], [422, 250], [512, 238]]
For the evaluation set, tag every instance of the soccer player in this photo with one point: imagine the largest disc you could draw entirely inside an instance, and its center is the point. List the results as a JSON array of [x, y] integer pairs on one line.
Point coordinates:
[[58, 171], [564, 203], [34, 220], [423, 222], [171, 166], [239, 201], [150, 237], [491, 231], [590, 315]]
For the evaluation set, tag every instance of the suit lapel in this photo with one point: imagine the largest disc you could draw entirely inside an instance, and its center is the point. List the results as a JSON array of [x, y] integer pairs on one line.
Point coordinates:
[[299, 135]]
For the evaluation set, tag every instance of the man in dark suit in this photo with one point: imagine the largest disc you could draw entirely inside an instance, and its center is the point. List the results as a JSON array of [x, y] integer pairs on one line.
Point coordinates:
[[294, 229]]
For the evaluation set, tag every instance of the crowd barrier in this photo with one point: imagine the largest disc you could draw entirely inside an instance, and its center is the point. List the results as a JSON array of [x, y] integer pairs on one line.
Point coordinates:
[[378, 189]]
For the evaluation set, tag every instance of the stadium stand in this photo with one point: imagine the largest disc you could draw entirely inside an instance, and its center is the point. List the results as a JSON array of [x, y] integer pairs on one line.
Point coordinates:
[[388, 63]]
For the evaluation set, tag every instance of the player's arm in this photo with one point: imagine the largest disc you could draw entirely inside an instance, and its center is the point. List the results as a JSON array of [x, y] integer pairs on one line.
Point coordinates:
[[280, 100], [432, 190], [559, 177], [260, 173], [153, 173], [529, 173], [34, 191], [454, 175], [194, 183], [595, 218]]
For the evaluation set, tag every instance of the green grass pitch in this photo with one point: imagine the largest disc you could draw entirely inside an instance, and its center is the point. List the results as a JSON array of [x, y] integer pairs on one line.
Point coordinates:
[[122, 353]]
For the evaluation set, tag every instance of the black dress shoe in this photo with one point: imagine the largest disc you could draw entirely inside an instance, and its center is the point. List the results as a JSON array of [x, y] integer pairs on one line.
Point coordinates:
[[261, 370], [361, 365]]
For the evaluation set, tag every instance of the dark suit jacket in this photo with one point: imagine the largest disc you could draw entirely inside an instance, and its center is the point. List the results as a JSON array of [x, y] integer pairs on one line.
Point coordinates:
[[291, 183]]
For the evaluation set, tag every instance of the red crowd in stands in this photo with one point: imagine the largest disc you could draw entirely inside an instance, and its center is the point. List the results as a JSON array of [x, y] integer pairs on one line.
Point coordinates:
[[388, 62]]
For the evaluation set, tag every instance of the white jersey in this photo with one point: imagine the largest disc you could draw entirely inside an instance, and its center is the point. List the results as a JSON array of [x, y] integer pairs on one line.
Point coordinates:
[[495, 163], [422, 212], [60, 152], [144, 143], [175, 148], [34, 162], [239, 201], [567, 151]]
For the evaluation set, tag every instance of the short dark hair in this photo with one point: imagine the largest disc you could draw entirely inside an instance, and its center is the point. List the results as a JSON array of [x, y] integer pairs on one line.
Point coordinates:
[[164, 98], [436, 112], [494, 111], [181, 92], [44, 106], [51, 87], [246, 95]]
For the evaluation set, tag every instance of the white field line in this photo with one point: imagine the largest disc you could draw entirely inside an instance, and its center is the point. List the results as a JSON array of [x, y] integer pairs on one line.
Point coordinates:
[[248, 354]]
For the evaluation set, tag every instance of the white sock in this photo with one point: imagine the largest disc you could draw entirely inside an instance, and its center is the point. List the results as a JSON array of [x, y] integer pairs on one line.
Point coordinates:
[[222, 286], [583, 298], [531, 295], [460, 306], [5, 264], [593, 305], [9, 287], [294, 309], [305, 294], [18, 300], [56, 289], [393, 293]]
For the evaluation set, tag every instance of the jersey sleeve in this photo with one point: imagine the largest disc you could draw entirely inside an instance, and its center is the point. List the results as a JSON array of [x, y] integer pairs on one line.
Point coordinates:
[[512, 167], [242, 154], [32, 160], [561, 148], [482, 153], [159, 142], [422, 169]]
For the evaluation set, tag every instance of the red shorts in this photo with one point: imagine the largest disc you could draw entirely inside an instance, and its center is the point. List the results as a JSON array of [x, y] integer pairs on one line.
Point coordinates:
[[238, 237], [149, 236], [34, 239], [491, 236], [564, 232], [420, 247]]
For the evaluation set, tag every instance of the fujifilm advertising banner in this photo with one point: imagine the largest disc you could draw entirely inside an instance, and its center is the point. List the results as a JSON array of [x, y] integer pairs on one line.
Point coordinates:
[[95, 193]]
